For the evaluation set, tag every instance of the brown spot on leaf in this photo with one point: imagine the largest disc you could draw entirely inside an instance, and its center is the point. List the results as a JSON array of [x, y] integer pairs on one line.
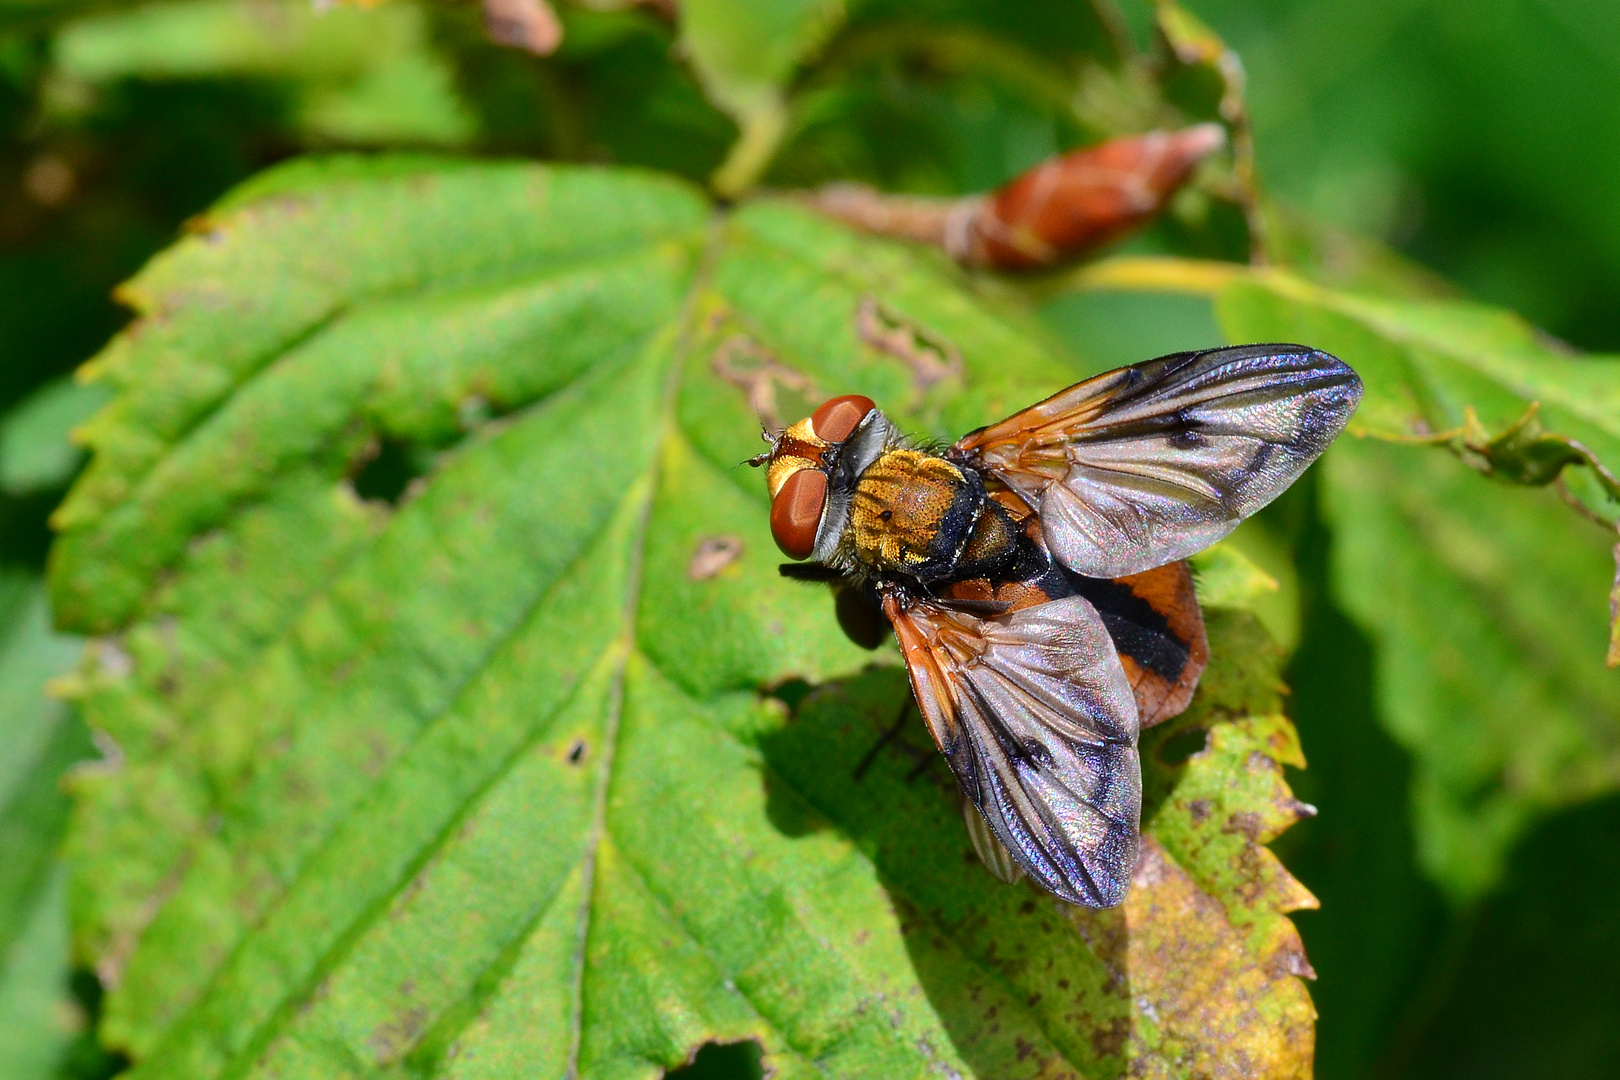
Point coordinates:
[[713, 554], [1108, 1038], [1247, 823], [393, 1038], [1290, 960], [379, 752], [113, 660], [931, 358], [770, 385], [1194, 968]]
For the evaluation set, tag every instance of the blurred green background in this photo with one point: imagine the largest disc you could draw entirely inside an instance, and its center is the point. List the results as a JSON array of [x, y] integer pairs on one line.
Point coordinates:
[[1479, 137]]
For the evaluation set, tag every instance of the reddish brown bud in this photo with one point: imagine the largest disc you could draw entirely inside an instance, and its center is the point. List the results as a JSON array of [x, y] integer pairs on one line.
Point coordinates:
[[1082, 200], [1063, 207]]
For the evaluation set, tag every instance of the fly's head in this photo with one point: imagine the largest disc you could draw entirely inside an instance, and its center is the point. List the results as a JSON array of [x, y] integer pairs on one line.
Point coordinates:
[[809, 473]]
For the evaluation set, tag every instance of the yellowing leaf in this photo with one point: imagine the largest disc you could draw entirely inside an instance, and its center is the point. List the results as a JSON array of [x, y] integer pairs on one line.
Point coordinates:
[[475, 776]]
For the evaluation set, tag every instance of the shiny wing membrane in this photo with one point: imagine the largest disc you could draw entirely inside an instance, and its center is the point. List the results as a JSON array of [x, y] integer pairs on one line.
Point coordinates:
[[1151, 463], [1035, 715]]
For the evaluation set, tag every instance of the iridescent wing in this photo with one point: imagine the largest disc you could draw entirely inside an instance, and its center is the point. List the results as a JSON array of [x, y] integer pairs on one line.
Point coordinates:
[[1149, 464], [1035, 715]]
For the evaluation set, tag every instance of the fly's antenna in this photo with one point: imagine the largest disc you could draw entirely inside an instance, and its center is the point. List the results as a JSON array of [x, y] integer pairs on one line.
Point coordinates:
[[764, 455]]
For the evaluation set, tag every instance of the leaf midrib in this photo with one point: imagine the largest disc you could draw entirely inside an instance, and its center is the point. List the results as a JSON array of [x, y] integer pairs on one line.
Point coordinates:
[[668, 428], [366, 917]]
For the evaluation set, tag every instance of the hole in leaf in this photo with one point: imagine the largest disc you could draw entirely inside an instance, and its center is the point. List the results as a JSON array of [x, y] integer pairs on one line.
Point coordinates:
[[723, 1061], [84, 1058], [387, 473], [1182, 745], [576, 753]]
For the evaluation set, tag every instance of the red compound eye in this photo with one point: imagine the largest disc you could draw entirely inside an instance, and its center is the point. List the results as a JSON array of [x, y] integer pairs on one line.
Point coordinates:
[[796, 512], [837, 419]]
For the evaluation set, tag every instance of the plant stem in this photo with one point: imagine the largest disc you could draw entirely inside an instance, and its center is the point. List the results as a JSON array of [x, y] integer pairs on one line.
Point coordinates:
[[751, 154]]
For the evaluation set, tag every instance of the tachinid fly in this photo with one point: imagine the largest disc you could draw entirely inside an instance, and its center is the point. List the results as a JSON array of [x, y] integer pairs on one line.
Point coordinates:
[[1033, 574]]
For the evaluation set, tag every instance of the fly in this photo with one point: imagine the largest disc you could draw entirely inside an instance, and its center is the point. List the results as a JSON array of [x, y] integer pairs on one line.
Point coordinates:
[[1034, 575]]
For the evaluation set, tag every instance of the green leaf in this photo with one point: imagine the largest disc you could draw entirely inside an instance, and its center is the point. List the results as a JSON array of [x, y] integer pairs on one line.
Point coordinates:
[[39, 739], [1229, 578], [35, 452], [478, 778], [953, 98], [1511, 402], [359, 76], [1486, 603], [744, 52], [38, 1018], [1487, 616]]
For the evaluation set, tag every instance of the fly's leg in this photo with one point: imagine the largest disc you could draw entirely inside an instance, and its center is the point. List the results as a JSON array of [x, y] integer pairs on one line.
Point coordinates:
[[809, 572]]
